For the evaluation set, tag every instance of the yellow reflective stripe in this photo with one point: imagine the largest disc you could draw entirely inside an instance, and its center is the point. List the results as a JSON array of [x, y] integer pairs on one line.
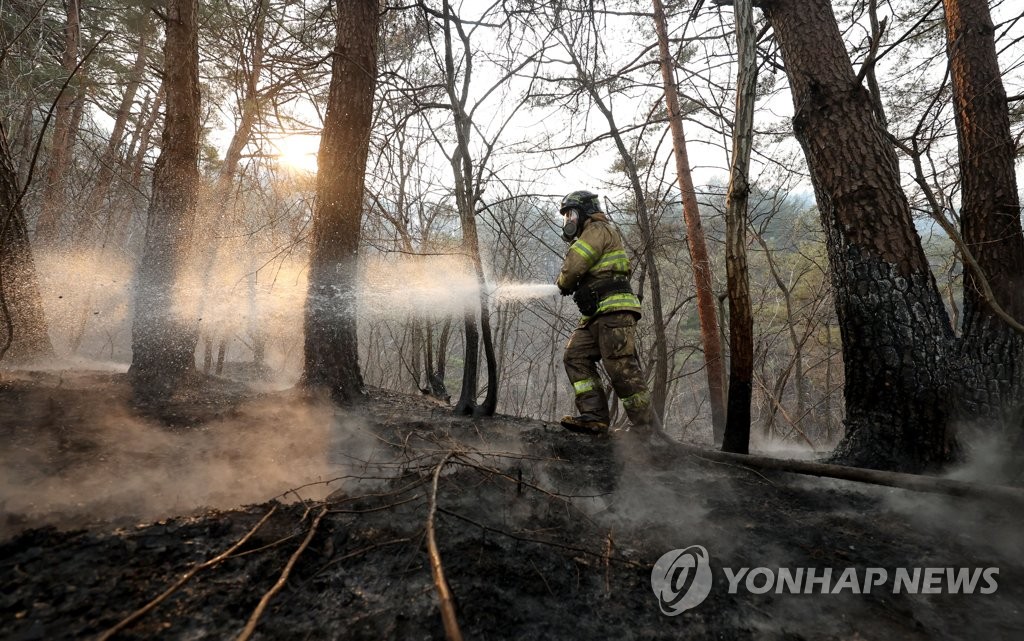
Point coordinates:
[[615, 261], [613, 256], [639, 400], [619, 267], [584, 250], [618, 301], [582, 387]]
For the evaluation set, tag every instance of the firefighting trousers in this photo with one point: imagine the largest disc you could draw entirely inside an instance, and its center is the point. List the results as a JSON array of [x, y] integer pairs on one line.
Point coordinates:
[[611, 339]]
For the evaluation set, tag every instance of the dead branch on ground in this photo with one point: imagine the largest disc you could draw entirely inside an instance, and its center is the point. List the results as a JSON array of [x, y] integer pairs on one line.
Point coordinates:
[[254, 619], [902, 480], [138, 614], [444, 594]]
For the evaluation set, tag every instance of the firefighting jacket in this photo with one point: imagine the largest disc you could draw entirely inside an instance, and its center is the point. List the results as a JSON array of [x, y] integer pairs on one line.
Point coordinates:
[[594, 259]]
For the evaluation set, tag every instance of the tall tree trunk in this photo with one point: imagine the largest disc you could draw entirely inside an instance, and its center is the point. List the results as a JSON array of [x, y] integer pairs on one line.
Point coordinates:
[[215, 212], [111, 156], [741, 322], [22, 155], [437, 360], [993, 353], [467, 193], [147, 129], [23, 330], [146, 123], [331, 345], [95, 214], [714, 364], [896, 335], [163, 342], [121, 222], [828, 383], [51, 209]]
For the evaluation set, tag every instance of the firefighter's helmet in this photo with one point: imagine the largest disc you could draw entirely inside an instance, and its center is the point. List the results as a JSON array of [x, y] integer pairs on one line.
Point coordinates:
[[575, 209]]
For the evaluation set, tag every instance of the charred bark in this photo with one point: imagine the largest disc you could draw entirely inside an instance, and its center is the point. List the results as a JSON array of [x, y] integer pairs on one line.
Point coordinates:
[[436, 366], [895, 332], [331, 342], [741, 322], [23, 329], [992, 353], [163, 340], [470, 366]]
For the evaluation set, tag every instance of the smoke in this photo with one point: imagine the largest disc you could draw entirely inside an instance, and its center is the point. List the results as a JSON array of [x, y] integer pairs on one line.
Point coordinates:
[[986, 526], [88, 299], [82, 455], [990, 458], [79, 452]]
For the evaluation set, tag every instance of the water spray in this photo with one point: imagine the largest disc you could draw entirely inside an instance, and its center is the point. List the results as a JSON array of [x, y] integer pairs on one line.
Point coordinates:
[[521, 291]]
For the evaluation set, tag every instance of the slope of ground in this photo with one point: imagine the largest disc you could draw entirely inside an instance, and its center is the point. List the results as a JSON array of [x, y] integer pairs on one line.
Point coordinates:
[[541, 533]]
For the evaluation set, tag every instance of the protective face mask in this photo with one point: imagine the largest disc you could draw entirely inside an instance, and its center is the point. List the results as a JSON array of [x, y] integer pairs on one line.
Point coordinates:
[[570, 224]]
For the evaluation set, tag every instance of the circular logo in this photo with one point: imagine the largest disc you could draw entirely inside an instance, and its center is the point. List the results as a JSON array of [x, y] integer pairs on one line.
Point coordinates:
[[681, 579]]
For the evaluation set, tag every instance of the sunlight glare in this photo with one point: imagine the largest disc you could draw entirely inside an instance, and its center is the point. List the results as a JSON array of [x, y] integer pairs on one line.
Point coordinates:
[[297, 152]]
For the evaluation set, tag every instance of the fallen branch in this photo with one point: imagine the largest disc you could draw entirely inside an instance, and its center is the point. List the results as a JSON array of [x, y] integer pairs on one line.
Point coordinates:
[[254, 619], [141, 612], [444, 594], [739, 467], [902, 480]]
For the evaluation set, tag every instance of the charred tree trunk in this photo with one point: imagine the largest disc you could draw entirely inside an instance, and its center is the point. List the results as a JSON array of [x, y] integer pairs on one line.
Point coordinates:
[[207, 354], [50, 213], [992, 352], [713, 363], [331, 342], [896, 335], [23, 330], [741, 322], [437, 361], [222, 349], [163, 342]]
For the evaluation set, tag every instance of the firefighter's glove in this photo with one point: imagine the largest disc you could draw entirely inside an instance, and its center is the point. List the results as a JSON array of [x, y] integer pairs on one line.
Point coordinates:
[[563, 291]]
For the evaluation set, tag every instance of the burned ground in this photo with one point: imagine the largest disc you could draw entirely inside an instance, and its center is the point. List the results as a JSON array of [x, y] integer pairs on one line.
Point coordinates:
[[542, 534]]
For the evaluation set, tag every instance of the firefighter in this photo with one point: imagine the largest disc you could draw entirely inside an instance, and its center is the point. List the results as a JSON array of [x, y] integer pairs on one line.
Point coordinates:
[[596, 273]]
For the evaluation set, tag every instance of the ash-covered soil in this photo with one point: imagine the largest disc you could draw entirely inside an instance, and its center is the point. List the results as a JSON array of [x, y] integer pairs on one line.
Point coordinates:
[[542, 534]]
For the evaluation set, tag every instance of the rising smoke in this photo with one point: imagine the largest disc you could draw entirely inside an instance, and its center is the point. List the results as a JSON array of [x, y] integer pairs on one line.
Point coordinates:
[[79, 451]]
